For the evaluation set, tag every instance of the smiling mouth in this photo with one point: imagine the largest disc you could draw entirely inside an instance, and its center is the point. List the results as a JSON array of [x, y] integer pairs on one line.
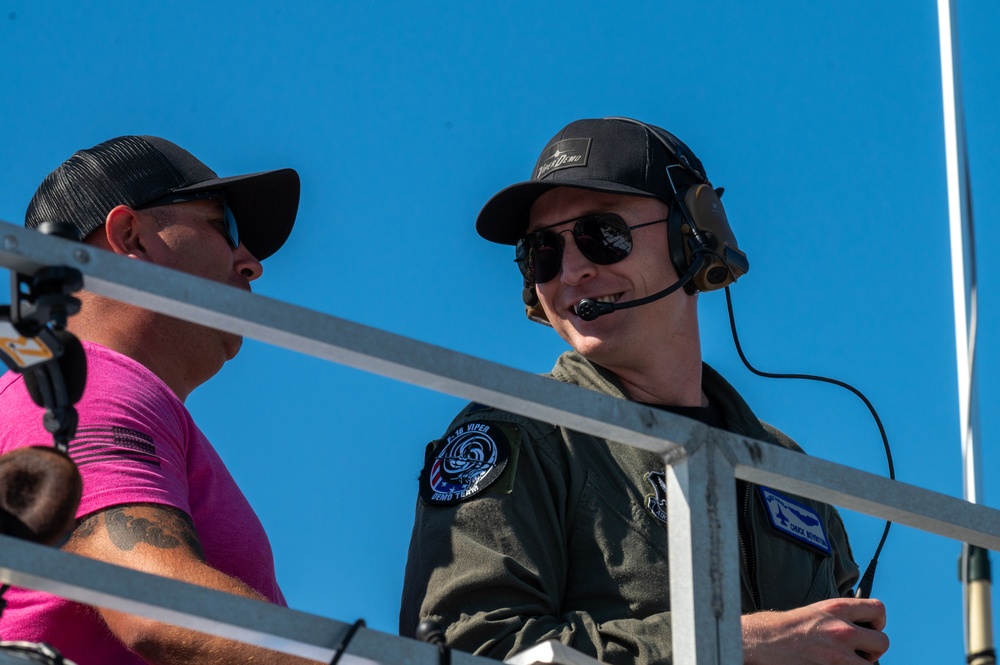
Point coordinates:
[[601, 299]]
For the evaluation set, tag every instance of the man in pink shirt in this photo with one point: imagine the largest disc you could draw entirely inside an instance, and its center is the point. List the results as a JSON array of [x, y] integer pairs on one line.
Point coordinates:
[[157, 497]]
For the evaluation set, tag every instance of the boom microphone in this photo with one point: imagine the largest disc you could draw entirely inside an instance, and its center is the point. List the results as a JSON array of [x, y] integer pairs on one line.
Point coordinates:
[[588, 309]]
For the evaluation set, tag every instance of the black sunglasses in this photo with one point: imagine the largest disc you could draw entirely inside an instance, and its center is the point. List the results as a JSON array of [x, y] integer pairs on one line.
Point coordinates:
[[230, 232], [603, 239]]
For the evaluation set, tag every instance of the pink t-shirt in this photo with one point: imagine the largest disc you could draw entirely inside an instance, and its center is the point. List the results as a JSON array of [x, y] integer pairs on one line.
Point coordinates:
[[136, 443]]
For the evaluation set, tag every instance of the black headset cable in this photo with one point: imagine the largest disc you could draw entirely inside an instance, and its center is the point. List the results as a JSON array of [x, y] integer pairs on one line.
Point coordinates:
[[865, 585]]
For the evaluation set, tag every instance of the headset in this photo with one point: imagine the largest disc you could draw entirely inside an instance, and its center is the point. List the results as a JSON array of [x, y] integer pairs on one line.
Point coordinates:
[[698, 224], [703, 248]]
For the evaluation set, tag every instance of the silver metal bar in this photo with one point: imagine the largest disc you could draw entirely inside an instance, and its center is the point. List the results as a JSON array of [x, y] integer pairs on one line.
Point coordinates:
[[436, 368], [17, 658], [704, 570], [254, 622], [97, 583], [677, 440], [864, 492], [352, 344]]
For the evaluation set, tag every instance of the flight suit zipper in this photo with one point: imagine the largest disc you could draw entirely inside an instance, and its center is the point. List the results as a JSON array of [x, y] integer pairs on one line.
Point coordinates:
[[748, 546]]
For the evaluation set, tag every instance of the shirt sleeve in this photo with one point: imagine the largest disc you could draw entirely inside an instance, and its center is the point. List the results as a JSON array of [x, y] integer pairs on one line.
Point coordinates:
[[493, 571], [130, 444]]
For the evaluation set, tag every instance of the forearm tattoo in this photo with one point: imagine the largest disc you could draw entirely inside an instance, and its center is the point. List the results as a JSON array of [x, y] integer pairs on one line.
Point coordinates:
[[167, 529], [86, 526]]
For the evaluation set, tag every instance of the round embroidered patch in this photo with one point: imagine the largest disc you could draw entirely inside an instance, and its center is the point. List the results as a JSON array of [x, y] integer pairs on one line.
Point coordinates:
[[471, 459], [656, 503]]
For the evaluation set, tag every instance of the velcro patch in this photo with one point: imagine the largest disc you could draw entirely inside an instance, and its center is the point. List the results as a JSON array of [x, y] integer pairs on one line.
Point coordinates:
[[795, 520], [563, 155], [472, 457], [656, 503]]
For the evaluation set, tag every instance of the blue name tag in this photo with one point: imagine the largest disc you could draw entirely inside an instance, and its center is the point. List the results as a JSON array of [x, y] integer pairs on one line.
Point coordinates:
[[795, 520]]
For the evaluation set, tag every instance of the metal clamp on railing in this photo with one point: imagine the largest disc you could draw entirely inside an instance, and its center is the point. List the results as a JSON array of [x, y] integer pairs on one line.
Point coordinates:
[[34, 340], [40, 487]]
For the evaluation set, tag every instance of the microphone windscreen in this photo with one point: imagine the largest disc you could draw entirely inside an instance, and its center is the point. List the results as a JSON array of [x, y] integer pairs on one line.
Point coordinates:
[[588, 309]]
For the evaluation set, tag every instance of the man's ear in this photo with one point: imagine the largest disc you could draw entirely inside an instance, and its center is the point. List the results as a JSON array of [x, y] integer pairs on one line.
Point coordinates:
[[122, 232]]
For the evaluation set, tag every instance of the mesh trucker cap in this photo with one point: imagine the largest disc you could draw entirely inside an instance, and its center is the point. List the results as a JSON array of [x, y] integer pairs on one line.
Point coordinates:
[[615, 155], [138, 170]]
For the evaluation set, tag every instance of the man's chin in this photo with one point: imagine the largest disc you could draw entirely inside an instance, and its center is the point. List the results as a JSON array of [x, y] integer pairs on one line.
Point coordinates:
[[233, 344], [587, 345]]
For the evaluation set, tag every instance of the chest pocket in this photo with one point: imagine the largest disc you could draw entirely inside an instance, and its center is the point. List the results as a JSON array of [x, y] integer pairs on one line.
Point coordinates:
[[791, 572], [617, 549]]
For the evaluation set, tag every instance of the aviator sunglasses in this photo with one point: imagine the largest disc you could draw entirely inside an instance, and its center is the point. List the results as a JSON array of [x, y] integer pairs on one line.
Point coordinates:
[[230, 231], [603, 239]]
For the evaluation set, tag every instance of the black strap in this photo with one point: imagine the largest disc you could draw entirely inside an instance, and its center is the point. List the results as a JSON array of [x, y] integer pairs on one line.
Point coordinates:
[[348, 636]]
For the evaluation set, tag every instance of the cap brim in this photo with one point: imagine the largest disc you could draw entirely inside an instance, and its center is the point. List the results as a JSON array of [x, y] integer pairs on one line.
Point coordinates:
[[504, 218], [264, 205]]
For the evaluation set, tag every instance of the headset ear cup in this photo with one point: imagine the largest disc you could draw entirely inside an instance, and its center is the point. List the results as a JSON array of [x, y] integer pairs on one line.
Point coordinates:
[[725, 263], [678, 241], [705, 208], [700, 207]]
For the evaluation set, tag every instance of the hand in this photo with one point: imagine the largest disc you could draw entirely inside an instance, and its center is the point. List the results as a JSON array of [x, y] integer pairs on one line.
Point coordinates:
[[830, 632]]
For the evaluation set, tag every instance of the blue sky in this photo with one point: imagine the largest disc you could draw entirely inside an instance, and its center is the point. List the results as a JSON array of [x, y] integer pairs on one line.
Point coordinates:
[[823, 122]]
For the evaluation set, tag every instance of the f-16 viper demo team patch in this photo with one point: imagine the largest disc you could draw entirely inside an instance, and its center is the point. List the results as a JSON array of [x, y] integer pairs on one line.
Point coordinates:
[[472, 457]]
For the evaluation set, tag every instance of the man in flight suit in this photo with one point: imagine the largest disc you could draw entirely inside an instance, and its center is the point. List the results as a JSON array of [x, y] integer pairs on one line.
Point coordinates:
[[526, 531]]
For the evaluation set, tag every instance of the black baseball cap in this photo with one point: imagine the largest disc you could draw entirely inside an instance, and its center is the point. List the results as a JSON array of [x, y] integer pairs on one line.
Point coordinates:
[[616, 155], [138, 170]]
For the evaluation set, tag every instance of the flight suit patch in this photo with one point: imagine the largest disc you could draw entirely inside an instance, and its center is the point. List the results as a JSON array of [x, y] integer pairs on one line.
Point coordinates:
[[471, 458], [656, 503], [792, 519]]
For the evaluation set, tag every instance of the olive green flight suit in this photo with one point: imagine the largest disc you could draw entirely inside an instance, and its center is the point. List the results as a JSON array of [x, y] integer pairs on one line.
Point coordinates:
[[565, 542]]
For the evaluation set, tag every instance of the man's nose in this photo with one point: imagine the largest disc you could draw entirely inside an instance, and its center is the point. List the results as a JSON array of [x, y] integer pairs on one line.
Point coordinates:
[[246, 263], [575, 266]]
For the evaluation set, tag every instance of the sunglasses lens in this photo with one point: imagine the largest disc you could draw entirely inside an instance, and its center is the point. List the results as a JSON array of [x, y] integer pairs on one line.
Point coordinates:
[[232, 231], [544, 255], [603, 239]]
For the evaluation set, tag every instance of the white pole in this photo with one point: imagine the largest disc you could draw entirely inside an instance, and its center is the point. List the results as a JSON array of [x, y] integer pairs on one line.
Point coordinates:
[[974, 569], [963, 265]]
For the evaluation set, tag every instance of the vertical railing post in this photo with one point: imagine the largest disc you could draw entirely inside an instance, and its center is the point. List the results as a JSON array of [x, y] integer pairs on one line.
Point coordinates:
[[704, 559]]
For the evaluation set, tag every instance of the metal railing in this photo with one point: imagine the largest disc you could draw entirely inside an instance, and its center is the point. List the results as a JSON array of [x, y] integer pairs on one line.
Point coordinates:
[[701, 464]]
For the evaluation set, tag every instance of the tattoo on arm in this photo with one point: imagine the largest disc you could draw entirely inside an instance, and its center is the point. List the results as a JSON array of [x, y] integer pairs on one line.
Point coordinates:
[[168, 529], [85, 527]]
